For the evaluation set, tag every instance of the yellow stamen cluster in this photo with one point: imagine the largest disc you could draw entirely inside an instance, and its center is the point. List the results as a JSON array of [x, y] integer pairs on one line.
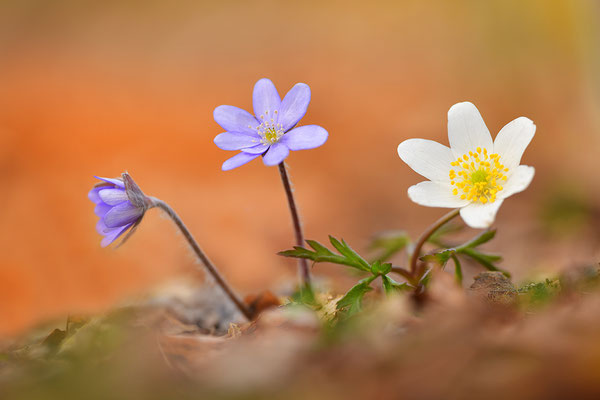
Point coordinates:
[[269, 130], [477, 176]]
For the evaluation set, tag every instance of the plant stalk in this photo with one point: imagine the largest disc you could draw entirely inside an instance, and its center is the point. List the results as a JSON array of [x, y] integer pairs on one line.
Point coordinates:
[[426, 235], [304, 269], [210, 267]]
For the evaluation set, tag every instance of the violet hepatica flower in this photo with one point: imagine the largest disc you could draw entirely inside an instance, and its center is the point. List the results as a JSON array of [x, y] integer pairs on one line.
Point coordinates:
[[120, 204], [475, 173], [271, 131]]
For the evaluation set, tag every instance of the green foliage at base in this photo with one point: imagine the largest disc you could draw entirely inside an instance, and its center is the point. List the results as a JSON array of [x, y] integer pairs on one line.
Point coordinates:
[[351, 302]]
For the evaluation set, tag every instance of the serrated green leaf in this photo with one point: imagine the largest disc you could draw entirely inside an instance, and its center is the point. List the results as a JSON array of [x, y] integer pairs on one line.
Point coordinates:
[[391, 286], [349, 253], [378, 268], [323, 254], [440, 258], [389, 244], [318, 247], [351, 303]]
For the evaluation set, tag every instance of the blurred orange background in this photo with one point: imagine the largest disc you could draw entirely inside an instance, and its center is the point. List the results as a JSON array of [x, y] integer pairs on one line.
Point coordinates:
[[97, 88]]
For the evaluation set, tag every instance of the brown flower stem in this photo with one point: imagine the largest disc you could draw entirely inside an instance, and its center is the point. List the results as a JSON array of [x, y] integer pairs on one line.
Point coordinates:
[[401, 271], [302, 263], [426, 235], [210, 267]]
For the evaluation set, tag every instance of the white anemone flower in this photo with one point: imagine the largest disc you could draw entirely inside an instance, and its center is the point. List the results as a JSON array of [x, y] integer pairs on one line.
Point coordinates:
[[475, 173]]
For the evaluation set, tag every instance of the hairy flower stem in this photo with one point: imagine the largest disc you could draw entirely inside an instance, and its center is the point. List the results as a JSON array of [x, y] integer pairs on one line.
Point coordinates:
[[212, 270], [423, 238], [302, 263]]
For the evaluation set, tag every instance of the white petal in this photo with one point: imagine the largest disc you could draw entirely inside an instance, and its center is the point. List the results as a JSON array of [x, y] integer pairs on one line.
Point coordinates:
[[466, 130], [480, 216], [434, 194], [427, 158], [517, 182], [512, 141]]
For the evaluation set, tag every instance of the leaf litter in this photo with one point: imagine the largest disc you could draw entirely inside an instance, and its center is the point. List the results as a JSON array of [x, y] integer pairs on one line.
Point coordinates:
[[492, 340]]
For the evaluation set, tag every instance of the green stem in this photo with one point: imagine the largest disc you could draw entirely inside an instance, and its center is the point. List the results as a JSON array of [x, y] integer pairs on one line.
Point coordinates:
[[426, 235]]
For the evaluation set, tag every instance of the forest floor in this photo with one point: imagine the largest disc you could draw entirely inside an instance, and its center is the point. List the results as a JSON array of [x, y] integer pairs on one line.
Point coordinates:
[[489, 340]]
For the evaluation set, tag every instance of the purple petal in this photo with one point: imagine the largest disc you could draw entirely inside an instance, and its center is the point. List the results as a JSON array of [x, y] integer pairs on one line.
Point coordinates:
[[113, 234], [122, 214], [294, 105], [112, 197], [261, 148], [101, 209], [238, 160], [234, 119], [276, 154], [304, 137], [116, 182], [266, 100], [93, 195], [235, 141], [101, 227]]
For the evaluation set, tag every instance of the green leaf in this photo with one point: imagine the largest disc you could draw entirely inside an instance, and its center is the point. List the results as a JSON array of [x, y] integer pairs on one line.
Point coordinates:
[[391, 286], [349, 253], [351, 303], [443, 231], [305, 296], [323, 254], [478, 240], [440, 258], [486, 260], [381, 269], [389, 244], [426, 278], [457, 269]]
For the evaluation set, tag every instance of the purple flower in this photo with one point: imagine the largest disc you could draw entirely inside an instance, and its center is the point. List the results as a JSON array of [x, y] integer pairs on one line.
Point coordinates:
[[120, 204], [270, 131]]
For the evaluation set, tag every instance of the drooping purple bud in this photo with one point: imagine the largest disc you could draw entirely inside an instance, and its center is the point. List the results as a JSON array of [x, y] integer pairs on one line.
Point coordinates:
[[120, 205]]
